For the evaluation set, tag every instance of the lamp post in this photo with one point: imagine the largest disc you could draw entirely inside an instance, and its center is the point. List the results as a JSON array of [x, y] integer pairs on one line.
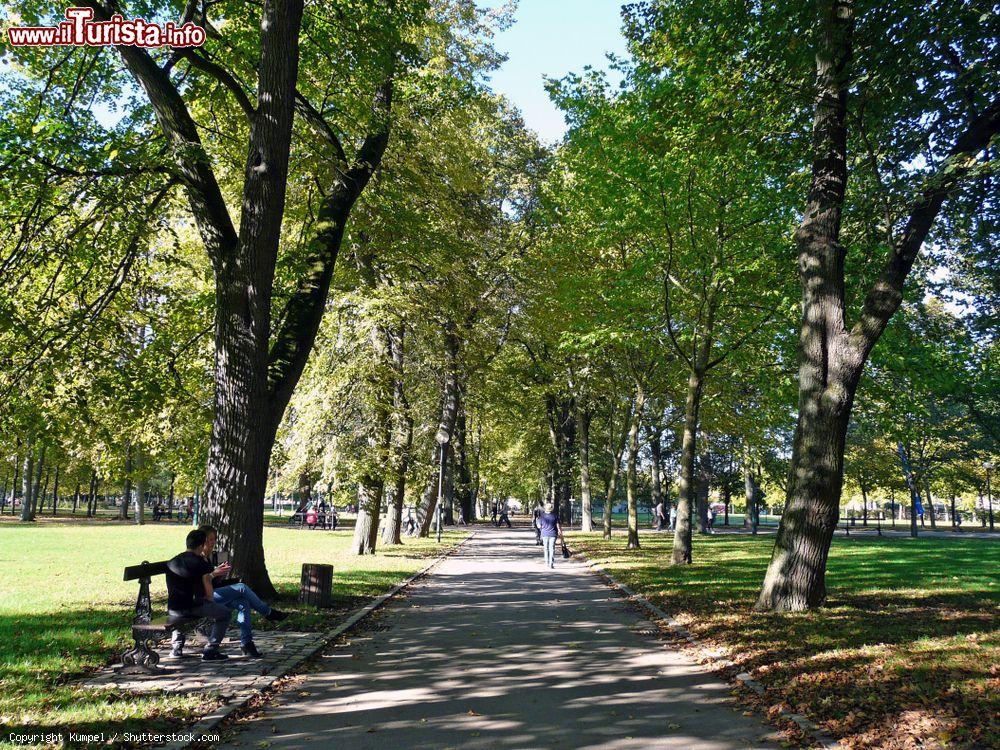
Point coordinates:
[[988, 465]]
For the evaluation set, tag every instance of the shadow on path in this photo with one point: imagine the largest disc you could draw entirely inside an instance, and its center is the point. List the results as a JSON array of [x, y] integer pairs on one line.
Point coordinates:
[[494, 651]]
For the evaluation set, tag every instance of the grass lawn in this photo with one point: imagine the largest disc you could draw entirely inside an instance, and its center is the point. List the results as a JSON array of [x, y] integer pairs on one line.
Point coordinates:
[[906, 654], [65, 610]]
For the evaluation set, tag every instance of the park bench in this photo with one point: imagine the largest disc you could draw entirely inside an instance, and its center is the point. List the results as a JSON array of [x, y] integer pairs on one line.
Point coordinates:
[[146, 629]]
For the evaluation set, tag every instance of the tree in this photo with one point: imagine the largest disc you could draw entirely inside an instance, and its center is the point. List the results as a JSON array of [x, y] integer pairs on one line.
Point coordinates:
[[833, 351]]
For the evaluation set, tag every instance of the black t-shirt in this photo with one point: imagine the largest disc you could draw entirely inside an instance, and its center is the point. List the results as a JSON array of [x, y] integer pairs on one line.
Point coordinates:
[[184, 580]]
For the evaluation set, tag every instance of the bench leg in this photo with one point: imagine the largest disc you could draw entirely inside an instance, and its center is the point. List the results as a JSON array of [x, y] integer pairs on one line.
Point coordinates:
[[141, 658]]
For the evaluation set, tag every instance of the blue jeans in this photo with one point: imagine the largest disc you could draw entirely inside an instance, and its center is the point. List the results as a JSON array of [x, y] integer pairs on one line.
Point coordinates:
[[550, 549], [242, 598], [220, 621]]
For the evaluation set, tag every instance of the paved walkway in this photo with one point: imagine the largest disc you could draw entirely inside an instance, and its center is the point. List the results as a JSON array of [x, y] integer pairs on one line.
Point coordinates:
[[494, 651], [237, 675]]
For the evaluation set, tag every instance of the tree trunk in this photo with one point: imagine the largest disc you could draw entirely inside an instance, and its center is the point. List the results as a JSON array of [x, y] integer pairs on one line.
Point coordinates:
[[702, 489], [170, 496], [402, 442], [449, 413], [831, 356], [140, 490], [583, 418], [76, 497], [685, 488], [655, 449], [41, 486], [28, 478], [630, 474], [796, 577], [562, 435], [126, 485], [372, 485], [463, 473], [752, 490], [366, 527], [616, 452], [55, 493], [930, 503], [15, 483]]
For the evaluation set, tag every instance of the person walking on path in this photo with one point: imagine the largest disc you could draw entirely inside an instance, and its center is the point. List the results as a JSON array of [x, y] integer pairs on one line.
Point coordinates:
[[550, 530], [504, 515], [535, 523], [673, 517], [659, 517]]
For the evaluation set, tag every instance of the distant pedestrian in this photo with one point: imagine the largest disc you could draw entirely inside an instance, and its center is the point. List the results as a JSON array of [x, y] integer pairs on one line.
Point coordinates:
[[659, 517], [493, 514], [504, 515], [536, 524], [711, 520], [312, 517], [550, 530], [461, 517], [673, 517]]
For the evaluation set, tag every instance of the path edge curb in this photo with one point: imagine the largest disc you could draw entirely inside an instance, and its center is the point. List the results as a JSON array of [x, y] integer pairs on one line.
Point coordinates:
[[197, 731], [665, 622]]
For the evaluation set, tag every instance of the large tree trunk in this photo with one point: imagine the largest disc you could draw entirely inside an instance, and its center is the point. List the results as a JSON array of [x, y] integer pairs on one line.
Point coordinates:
[[831, 356], [630, 474], [930, 503], [583, 418], [685, 488]]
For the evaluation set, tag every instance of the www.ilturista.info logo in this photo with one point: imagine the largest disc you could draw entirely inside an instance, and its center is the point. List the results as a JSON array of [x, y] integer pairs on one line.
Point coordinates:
[[80, 30]]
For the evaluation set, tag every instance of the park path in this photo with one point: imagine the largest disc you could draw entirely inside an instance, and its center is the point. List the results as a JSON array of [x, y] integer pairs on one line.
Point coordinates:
[[491, 651]]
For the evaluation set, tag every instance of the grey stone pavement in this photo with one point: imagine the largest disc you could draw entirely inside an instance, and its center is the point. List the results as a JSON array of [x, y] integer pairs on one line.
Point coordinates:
[[492, 650], [226, 679]]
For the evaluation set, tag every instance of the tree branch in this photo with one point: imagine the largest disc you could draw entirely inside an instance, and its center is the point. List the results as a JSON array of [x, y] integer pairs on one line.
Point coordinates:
[[886, 294]]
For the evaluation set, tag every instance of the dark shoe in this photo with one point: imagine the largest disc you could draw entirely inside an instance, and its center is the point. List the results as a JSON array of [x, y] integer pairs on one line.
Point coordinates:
[[213, 654], [250, 649], [276, 615]]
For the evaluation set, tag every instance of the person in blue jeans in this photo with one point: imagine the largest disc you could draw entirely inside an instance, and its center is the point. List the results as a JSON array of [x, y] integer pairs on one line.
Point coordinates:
[[240, 598], [548, 523]]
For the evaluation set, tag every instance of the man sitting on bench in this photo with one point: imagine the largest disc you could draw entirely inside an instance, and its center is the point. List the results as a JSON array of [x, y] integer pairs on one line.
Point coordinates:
[[239, 597], [189, 594]]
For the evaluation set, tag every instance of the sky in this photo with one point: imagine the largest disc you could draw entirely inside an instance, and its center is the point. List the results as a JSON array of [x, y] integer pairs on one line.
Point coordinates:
[[552, 38]]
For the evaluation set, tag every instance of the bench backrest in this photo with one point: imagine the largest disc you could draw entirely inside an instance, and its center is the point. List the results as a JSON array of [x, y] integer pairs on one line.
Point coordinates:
[[146, 570]]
